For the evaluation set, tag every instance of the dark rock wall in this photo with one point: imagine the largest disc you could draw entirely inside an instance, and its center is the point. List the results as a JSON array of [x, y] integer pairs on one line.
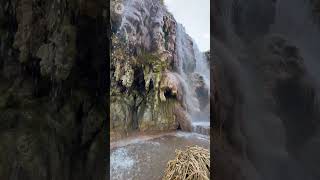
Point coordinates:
[[266, 101], [53, 83]]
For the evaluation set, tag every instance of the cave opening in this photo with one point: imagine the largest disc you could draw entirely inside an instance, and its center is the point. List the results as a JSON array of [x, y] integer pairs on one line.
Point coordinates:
[[151, 85], [169, 94], [179, 127], [139, 83]]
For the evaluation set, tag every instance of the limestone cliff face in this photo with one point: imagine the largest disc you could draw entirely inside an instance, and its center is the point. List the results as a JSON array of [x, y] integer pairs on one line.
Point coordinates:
[[146, 93], [52, 89]]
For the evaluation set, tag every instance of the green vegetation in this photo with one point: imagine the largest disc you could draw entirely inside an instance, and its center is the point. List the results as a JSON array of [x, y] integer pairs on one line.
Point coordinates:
[[153, 60]]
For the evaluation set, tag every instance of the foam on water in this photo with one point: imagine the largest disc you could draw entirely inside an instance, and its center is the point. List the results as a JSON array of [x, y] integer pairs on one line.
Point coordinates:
[[120, 162], [192, 135]]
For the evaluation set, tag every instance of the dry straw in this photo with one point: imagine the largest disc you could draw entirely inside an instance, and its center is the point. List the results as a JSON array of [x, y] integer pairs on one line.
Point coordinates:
[[194, 163]]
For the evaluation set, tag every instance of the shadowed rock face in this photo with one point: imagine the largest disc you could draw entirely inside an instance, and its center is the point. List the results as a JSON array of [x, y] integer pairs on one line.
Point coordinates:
[[52, 89], [200, 89], [266, 104]]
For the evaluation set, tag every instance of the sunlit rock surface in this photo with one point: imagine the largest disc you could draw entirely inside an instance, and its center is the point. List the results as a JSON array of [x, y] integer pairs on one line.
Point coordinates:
[[150, 55]]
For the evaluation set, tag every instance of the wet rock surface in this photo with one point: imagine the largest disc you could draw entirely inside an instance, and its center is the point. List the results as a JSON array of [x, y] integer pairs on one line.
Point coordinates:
[[201, 128], [52, 89], [200, 90], [148, 48], [147, 159]]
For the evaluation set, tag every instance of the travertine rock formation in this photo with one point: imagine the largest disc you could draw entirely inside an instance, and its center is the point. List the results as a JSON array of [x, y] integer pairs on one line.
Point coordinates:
[[147, 94]]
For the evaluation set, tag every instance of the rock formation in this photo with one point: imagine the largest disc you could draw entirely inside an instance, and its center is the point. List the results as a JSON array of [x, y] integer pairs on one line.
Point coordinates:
[[147, 92], [266, 99], [53, 83]]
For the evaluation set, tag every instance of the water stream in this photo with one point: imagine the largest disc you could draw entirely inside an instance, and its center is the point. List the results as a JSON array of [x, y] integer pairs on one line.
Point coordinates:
[[191, 62]]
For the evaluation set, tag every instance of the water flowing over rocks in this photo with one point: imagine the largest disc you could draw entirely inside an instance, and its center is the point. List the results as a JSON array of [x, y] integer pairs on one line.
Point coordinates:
[[152, 59]]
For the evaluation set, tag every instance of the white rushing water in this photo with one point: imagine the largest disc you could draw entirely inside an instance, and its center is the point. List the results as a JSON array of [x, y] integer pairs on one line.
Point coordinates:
[[190, 62], [202, 65], [184, 62]]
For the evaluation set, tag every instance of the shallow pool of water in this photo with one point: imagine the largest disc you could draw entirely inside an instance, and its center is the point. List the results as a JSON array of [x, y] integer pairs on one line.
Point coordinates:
[[146, 158]]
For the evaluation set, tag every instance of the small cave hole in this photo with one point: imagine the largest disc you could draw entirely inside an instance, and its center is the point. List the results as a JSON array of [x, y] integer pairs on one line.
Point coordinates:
[[139, 82], [168, 94], [151, 85], [179, 127]]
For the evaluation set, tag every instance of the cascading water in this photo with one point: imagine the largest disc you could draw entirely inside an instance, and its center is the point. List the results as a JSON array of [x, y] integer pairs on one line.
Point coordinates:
[[191, 62], [147, 34], [191, 66], [202, 65], [184, 68]]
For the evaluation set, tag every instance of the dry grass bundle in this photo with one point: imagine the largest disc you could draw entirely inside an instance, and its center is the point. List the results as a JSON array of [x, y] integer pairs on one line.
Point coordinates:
[[194, 163]]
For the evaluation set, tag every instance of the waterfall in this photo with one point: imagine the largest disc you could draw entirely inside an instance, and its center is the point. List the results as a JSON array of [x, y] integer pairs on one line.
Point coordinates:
[[191, 63], [202, 66], [184, 68]]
